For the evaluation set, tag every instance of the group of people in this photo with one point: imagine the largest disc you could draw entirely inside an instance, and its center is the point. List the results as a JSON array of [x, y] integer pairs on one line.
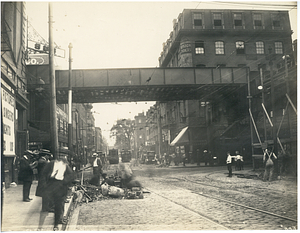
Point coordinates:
[[236, 159], [54, 178], [269, 159]]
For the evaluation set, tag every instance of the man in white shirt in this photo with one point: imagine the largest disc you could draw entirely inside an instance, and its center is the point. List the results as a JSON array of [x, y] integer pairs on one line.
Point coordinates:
[[57, 177], [229, 163]]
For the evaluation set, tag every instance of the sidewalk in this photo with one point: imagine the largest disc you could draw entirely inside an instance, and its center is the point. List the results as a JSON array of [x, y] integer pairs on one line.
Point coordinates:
[[25, 216]]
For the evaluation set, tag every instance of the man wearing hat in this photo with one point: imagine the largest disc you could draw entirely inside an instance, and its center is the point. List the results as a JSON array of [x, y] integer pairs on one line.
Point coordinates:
[[26, 173], [97, 167], [44, 158], [57, 177]]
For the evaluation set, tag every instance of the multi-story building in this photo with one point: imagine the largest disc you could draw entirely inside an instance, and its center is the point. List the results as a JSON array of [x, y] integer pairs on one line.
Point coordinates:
[[14, 99], [220, 39], [98, 140], [139, 134]]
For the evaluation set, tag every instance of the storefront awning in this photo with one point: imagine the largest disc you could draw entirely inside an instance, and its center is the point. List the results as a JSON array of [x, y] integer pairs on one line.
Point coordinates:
[[179, 136]]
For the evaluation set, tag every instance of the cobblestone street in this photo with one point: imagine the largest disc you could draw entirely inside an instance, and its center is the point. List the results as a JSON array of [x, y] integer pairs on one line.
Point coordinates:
[[189, 199]]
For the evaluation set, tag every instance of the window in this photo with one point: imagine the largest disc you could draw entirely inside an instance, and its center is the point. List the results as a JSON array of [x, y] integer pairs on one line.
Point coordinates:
[[217, 17], [240, 47], [238, 22], [198, 21], [278, 48], [199, 47], [257, 20], [276, 22], [219, 46], [260, 48]]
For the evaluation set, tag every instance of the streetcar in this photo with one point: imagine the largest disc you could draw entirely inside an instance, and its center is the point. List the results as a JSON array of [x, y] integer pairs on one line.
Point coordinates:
[[150, 158], [113, 156], [125, 156]]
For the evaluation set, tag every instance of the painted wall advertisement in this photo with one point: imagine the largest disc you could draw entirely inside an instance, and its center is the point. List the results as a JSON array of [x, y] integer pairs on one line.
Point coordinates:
[[8, 109]]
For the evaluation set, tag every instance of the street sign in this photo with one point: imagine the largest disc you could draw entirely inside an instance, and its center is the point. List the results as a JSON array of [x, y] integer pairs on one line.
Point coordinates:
[[37, 47]]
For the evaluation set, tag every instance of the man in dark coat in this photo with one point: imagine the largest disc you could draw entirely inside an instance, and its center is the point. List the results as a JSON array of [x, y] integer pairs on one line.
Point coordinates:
[[26, 173], [97, 168], [57, 177], [45, 156]]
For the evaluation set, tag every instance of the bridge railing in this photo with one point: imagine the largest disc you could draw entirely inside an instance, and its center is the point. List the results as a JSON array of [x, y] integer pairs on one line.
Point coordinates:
[[151, 76]]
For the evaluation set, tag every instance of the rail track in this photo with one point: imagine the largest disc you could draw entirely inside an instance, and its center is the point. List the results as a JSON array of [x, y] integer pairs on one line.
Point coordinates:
[[236, 209]]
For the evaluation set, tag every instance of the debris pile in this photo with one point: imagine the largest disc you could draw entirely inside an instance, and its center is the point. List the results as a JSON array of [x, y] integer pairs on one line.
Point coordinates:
[[88, 192]]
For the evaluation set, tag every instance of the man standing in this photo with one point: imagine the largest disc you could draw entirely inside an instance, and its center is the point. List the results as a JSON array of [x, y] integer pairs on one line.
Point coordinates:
[[26, 173], [97, 167], [45, 156], [206, 157], [57, 176], [268, 160], [229, 164]]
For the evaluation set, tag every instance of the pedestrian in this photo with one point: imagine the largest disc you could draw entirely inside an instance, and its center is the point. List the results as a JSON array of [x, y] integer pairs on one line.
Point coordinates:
[[168, 159], [242, 162], [57, 176], [97, 168], [229, 163], [238, 161], [27, 164], [268, 159], [183, 157], [206, 157], [45, 156]]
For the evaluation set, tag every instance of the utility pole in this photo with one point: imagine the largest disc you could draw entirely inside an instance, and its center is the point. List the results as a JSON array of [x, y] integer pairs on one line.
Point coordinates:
[[53, 117], [274, 132], [159, 130], [70, 129], [263, 101], [285, 57]]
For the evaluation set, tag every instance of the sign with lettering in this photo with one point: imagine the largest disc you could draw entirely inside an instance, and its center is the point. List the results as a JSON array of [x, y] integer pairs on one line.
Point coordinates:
[[8, 109], [37, 59]]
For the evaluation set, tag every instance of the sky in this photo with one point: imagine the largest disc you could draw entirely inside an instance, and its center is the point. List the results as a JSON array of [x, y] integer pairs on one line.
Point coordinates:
[[123, 35]]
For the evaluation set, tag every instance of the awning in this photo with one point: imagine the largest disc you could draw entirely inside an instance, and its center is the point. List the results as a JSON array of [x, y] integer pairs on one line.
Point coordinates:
[[179, 136]]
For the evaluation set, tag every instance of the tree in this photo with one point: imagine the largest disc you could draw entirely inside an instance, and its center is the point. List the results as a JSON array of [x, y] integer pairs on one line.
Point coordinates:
[[123, 131]]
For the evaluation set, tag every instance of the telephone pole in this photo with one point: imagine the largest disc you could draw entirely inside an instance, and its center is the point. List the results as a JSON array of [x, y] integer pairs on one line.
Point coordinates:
[[70, 129], [53, 117]]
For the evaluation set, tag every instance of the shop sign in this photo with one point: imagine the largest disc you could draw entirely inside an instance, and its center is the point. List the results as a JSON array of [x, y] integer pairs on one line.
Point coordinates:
[[8, 109], [37, 59]]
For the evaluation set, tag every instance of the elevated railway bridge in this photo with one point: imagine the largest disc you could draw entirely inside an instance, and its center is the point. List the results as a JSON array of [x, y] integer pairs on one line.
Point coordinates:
[[143, 84]]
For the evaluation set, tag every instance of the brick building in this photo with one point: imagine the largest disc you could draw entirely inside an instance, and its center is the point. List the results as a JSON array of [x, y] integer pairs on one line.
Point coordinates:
[[256, 39]]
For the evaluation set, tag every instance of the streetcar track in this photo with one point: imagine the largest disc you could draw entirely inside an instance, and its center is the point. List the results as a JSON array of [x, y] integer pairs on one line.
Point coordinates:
[[247, 207], [230, 202], [236, 189], [177, 203]]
